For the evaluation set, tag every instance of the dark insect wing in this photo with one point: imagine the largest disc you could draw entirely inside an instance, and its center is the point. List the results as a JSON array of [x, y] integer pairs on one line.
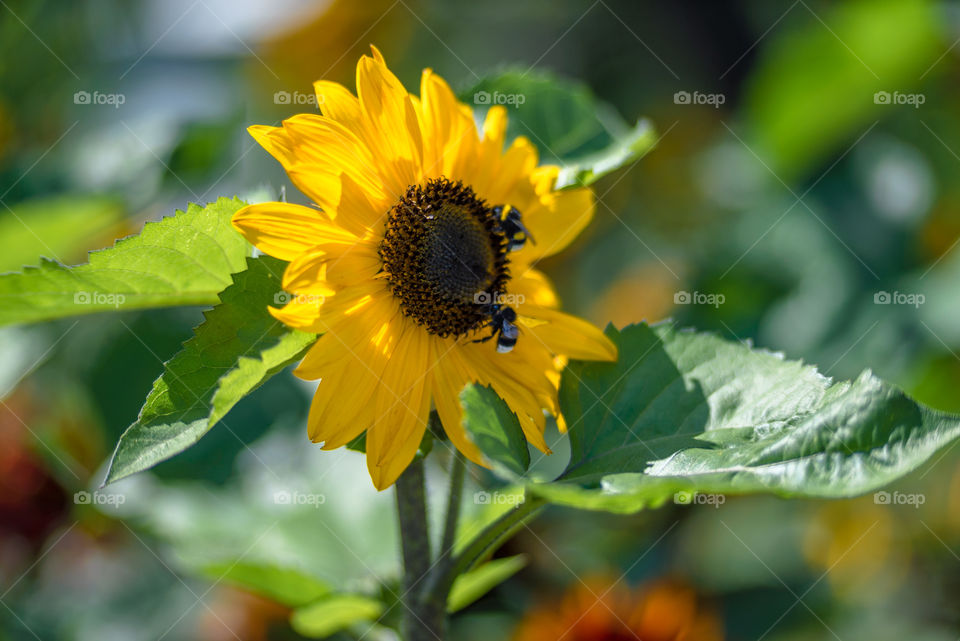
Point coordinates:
[[516, 219], [505, 345], [512, 227], [501, 327], [508, 335]]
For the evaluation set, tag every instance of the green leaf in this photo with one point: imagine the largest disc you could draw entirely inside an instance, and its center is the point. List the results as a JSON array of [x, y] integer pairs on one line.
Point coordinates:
[[469, 587], [332, 614], [288, 586], [237, 347], [563, 118], [682, 412], [586, 170], [812, 91], [61, 226], [494, 428], [185, 259]]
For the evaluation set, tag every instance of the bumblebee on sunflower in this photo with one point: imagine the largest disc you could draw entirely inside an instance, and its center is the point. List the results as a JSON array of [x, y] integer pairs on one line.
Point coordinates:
[[418, 264]]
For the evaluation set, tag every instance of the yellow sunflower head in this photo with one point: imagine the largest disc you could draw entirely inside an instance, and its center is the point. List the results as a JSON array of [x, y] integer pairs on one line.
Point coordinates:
[[417, 267]]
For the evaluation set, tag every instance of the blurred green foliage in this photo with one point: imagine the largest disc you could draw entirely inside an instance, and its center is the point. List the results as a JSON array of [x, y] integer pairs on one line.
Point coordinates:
[[799, 199]]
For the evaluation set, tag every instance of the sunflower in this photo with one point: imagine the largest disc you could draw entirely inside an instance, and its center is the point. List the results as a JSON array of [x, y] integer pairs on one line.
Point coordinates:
[[602, 609], [413, 259]]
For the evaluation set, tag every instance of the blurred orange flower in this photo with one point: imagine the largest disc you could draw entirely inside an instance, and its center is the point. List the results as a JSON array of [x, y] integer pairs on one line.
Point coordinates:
[[603, 609]]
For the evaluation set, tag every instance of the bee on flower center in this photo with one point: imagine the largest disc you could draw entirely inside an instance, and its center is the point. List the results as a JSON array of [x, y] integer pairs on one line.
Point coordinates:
[[502, 319], [512, 227]]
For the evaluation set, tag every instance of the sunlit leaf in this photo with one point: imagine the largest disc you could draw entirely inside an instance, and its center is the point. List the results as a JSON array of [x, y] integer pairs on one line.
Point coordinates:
[[334, 613], [469, 587], [284, 585], [494, 428], [62, 227], [682, 412], [185, 259], [586, 170], [237, 347], [568, 124]]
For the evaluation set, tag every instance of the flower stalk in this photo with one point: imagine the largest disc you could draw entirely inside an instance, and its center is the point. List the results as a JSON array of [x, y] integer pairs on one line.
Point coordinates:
[[428, 580], [421, 620]]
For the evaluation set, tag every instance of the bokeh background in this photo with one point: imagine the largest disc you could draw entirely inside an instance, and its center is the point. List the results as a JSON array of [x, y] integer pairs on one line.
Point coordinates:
[[787, 203]]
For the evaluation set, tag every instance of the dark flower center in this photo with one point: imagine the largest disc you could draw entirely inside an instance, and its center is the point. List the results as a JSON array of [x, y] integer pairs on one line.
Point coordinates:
[[442, 252]]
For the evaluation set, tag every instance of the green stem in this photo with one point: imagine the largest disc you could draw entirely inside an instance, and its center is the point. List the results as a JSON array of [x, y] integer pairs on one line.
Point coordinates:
[[436, 588], [421, 621], [426, 588], [457, 471], [486, 543]]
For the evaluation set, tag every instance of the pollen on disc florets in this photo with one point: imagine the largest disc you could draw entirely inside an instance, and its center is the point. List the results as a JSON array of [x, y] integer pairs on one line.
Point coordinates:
[[442, 248]]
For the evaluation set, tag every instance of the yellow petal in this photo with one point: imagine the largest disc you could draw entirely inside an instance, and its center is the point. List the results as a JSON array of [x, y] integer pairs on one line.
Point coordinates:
[[495, 128], [324, 159], [285, 230], [331, 265], [401, 409], [568, 335], [336, 101], [340, 409], [514, 381], [366, 320], [449, 136], [316, 313], [555, 222], [390, 116], [499, 184], [326, 146], [448, 381], [535, 289]]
